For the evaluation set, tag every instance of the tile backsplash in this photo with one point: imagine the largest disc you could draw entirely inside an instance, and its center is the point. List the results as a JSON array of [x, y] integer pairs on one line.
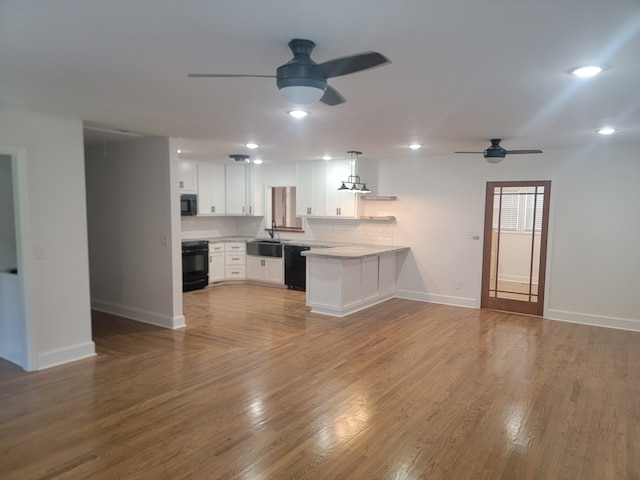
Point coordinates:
[[330, 230]]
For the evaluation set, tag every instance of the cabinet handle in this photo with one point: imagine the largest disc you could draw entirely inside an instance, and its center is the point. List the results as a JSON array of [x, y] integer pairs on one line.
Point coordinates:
[[181, 184], [250, 209], [242, 209], [213, 209]]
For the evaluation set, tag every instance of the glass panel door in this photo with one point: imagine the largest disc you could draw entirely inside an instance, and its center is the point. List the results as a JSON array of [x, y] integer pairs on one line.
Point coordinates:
[[516, 219]]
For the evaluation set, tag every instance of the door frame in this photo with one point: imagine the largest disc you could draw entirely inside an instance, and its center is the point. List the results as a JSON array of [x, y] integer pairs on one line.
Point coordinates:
[[516, 306]]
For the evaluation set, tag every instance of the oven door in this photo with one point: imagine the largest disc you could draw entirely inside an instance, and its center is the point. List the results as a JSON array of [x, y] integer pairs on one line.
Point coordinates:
[[195, 269]]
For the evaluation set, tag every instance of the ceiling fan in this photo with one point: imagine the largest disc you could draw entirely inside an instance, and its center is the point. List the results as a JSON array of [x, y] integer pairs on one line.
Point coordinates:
[[495, 153], [303, 81]]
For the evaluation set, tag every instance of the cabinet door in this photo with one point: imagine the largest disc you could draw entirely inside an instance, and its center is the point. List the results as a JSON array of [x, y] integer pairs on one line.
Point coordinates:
[[310, 189], [274, 270], [188, 176], [216, 267], [235, 189], [255, 270], [211, 189], [255, 191], [339, 203]]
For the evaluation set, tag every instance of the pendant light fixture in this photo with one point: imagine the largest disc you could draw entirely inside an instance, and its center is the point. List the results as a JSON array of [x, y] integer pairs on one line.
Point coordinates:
[[353, 183]]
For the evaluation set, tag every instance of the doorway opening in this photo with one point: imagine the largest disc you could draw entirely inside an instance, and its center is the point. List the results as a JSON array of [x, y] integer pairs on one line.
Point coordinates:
[[515, 246]]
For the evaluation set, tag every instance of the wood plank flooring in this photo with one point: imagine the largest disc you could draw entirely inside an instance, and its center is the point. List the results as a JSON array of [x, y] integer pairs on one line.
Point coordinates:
[[256, 387]]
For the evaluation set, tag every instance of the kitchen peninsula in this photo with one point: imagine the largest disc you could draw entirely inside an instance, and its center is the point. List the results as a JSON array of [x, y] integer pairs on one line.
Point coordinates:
[[343, 280]]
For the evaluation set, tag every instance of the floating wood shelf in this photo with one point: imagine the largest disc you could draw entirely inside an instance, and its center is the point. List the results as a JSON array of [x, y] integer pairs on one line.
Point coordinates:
[[386, 218], [379, 197]]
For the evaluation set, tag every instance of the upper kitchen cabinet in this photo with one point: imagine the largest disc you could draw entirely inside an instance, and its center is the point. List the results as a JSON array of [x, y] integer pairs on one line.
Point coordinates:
[[188, 176], [310, 189], [339, 203], [211, 189], [235, 189], [245, 190], [254, 190], [317, 192]]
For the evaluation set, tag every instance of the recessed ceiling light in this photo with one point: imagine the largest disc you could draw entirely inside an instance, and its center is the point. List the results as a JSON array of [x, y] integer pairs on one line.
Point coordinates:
[[327, 157], [585, 71], [606, 131], [414, 146], [298, 113], [257, 161], [179, 151], [251, 145]]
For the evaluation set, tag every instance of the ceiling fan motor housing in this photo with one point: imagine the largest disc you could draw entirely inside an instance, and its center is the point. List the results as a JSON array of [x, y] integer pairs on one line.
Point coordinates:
[[301, 71]]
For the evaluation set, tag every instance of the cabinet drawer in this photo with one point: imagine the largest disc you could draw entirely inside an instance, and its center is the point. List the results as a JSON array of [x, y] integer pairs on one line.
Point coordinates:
[[216, 247], [235, 258], [237, 272], [235, 247]]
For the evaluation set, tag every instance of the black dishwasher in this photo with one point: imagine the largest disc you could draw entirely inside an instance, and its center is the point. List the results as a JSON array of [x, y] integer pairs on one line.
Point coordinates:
[[295, 267]]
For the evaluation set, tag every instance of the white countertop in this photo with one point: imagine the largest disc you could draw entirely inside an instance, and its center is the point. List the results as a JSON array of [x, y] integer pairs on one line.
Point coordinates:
[[353, 251]]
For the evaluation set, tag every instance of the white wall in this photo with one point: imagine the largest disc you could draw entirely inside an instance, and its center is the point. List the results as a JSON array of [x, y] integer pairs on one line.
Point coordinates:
[[52, 237], [134, 231], [593, 262]]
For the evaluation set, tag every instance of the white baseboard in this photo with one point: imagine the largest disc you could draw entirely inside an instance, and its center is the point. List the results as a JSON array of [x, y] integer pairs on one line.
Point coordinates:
[[436, 298], [595, 320], [53, 358], [138, 315]]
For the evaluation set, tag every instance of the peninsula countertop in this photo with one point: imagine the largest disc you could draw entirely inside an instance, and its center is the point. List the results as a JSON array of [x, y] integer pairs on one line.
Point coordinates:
[[353, 251]]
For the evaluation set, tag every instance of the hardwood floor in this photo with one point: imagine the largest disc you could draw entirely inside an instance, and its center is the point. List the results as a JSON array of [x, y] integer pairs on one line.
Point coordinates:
[[256, 387]]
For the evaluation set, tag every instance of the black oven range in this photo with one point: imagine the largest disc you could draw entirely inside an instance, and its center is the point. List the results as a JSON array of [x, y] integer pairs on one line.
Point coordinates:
[[195, 264]]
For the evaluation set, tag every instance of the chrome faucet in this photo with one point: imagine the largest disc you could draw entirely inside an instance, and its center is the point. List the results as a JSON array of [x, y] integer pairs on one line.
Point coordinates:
[[273, 226]]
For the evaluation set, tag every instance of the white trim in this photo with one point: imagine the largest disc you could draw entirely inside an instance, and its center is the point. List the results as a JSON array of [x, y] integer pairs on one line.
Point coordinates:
[[466, 302], [53, 358], [138, 315], [594, 320], [343, 312]]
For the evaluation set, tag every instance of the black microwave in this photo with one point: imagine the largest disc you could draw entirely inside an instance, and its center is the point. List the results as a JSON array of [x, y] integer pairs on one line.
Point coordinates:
[[188, 205]]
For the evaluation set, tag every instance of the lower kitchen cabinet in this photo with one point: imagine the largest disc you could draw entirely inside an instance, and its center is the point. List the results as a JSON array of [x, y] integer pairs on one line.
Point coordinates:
[[216, 262], [235, 261], [265, 269]]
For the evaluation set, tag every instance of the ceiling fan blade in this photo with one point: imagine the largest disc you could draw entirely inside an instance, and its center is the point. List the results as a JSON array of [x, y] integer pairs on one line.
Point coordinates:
[[331, 97], [227, 75], [479, 153], [516, 152], [353, 63]]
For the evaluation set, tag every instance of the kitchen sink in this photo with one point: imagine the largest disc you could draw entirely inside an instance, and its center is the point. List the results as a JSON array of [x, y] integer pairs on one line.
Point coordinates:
[[265, 247]]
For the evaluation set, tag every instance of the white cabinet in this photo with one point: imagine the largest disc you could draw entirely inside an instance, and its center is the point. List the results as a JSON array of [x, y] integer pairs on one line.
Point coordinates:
[[216, 262], [339, 203], [317, 193], [235, 260], [310, 189], [211, 189], [339, 286], [254, 191], [265, 269], [188, 176], [235, 189]]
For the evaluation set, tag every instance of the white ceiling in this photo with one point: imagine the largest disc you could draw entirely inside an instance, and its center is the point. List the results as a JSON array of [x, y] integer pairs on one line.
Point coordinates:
[[462, 72]]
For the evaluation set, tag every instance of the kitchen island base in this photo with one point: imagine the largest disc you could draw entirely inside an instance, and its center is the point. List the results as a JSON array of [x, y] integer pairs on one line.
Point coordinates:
[[340, 286]]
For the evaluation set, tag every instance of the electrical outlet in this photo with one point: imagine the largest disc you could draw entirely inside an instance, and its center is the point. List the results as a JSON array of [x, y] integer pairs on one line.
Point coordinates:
[[473, 235], [458, 284]]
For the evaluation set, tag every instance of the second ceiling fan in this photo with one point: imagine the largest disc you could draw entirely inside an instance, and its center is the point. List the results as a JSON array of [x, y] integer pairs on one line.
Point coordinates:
[[303, 81], [495, 153]]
